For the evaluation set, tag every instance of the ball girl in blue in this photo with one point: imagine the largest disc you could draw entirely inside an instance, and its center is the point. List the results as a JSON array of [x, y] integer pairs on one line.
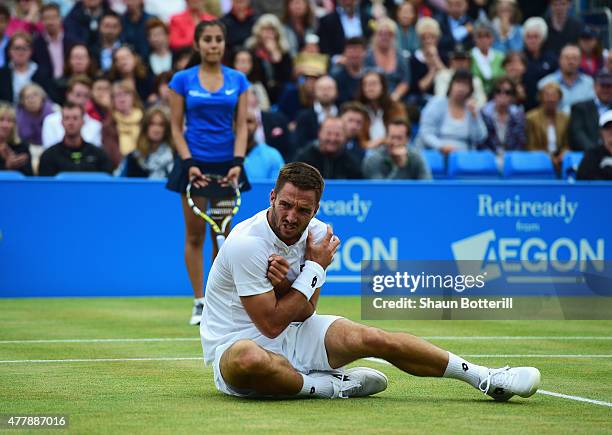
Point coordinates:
[[208, 107]]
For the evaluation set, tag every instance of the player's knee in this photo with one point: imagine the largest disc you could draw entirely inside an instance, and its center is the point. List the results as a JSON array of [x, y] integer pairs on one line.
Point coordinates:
[[375, 339], [248, 358]]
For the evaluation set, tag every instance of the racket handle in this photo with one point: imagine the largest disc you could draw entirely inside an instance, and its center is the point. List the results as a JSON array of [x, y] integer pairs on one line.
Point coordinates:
[[220, 240]]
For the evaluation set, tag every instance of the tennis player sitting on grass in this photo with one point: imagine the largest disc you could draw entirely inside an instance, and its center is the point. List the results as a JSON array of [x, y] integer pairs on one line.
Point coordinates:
[[262, 334]]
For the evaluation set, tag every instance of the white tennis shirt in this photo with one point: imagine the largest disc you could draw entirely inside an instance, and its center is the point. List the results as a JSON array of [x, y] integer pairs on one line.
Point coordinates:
[[240, 270]]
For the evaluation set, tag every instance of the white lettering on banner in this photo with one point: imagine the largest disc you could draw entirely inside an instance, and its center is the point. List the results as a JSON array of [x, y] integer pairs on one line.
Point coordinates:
[[533, 254], [355, 207], [515, 207], [357, 249]]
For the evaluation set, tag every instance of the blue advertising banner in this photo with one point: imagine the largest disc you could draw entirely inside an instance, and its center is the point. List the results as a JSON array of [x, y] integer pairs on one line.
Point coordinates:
[[125, 237]]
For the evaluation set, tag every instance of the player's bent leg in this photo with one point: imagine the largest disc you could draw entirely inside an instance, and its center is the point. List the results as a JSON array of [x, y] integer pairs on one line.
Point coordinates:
[[347, 341], [247, 366]]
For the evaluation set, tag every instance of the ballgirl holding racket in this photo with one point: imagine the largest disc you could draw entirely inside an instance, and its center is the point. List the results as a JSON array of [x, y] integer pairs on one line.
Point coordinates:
[[208, 113]]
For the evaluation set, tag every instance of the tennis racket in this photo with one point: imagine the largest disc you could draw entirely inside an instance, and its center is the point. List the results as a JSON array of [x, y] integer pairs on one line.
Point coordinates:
[[222, 203]]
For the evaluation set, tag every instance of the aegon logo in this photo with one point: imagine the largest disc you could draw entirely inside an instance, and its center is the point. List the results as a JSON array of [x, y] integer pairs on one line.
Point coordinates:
[[531, 255], [516, 207], [355, 207]]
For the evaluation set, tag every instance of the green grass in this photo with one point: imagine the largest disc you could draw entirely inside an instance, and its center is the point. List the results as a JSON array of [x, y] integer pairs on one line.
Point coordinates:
[[180, 397]]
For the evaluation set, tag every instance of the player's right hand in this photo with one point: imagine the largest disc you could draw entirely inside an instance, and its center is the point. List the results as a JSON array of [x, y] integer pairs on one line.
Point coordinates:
[[322, 252], [197, 178], [278, 267]]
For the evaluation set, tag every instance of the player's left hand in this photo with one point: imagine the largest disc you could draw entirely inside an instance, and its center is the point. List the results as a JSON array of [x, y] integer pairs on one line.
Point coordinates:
[[232, 177], [278, 267]]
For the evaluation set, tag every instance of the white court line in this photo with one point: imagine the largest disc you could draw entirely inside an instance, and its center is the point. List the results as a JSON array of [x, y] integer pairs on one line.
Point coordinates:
[[544, 392], [432, 337], [17, 361]]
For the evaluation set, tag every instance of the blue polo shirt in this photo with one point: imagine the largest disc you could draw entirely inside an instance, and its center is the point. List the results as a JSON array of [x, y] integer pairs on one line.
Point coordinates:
[[209, 116]]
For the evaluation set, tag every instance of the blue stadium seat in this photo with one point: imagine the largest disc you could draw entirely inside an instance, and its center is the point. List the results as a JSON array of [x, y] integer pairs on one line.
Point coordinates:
[[84, 176], [11, 175], [435, 161], [571, 161], [472, 165], [530, 165]]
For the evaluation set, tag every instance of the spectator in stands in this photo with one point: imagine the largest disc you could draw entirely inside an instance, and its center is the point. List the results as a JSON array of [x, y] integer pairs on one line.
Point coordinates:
[[128, 66], [309, 120], [386, 58], [547, 126], [300, 95], [459, 59], [422, 10], [160, 95], [78, 62], [21, 70], [73, 153], [584, 128], [453, 122], [181, 58], [109, 40], [182, 26], [486, 61], [506, 25], [272, 127], [329, 154], [239, 22], [79, 91], [242, 60], [426, 62], [14, 155], [134, 27], [50, 48], [591, 51], [597, 162], [83, 21], [504, 119], [346, 21], [515, 65], [563, 29], [407, 40], [153, 156], [298, 21], [26, 18], [5, 16], [540, 62], [349, 68], [381, 108], [121, 128], [99, 105], [356, 122], [160, 56], [262, 162], [271, 54], [576, 86], [33, 107], [396, 160], [456, 27]]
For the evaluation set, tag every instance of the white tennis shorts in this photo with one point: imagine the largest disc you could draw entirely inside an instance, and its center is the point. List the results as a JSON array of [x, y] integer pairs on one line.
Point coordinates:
[[304, 347]]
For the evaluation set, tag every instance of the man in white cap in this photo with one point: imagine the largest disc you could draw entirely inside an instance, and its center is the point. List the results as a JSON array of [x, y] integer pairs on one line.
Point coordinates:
[[597, 162]]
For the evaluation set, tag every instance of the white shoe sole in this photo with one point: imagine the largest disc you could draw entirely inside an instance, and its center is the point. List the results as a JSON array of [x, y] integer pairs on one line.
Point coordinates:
[[537, 378]]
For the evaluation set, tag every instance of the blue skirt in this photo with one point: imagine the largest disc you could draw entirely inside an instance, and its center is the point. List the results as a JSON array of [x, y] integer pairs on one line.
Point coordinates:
[[179, 177]]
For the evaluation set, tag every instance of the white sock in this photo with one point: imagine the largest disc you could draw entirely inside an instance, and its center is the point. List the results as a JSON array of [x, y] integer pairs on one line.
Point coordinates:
[[316, 387], [198, 301], [458, 368]]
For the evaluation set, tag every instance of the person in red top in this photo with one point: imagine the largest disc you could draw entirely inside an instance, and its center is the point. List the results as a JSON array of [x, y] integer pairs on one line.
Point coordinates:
[[182, 26]]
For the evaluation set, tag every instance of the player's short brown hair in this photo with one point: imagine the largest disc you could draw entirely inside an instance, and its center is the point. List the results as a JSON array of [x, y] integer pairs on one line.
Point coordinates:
[[301, 175]]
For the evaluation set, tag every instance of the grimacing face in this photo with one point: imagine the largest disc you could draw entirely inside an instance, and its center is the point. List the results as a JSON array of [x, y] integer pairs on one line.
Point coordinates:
[[291, 210]]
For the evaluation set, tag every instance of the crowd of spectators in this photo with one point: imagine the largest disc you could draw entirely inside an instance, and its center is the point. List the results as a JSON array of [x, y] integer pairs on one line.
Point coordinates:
[[357, 88]]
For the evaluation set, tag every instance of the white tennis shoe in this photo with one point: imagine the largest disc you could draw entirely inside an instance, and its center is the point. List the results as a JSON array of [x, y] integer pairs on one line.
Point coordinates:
[[196, 313], [503, 383], [355, 382]]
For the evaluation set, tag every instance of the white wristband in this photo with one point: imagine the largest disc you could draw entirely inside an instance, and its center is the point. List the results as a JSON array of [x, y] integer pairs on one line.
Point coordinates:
[[311, 278]]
